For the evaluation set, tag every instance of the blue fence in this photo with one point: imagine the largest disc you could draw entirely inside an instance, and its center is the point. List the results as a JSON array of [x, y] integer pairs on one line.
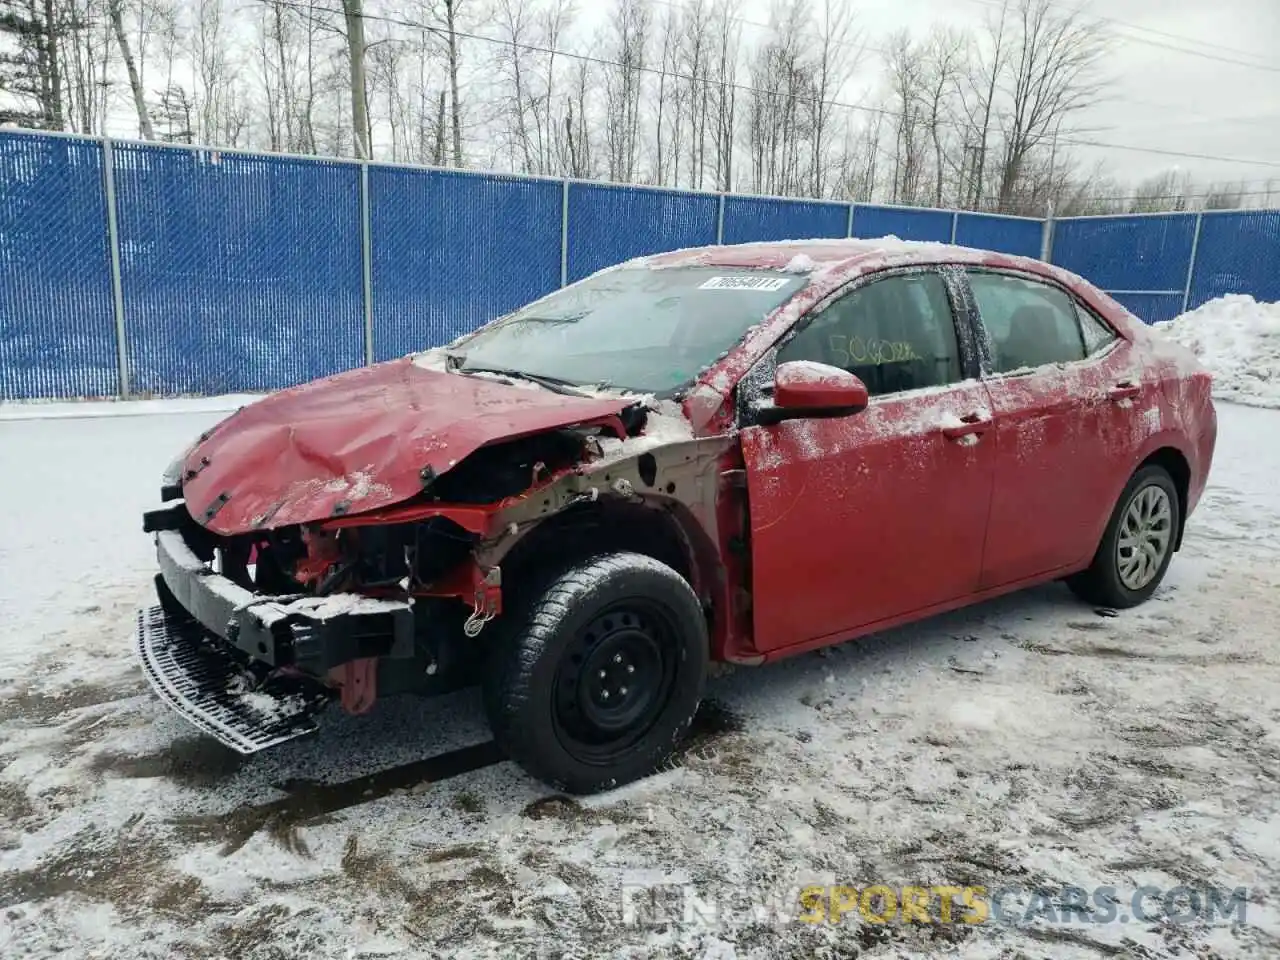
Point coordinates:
[[202, 271]]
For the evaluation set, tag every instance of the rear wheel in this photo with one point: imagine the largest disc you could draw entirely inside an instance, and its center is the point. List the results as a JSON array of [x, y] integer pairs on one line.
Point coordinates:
[[597, 674], [1138, 544]]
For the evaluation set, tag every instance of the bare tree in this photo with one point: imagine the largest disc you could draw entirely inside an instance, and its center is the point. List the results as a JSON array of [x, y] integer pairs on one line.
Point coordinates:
[[668, 101], [724, 123], [210, 67], [857, 164], [86, 46], [353, 13], [1164, 191], [671, 92], [556, 19], [943, 65], [387, 59], [177, 109], [446, 13], [1052, 74], [575, 146], [116, 12], [625, 44], [1225, 196], [515, 25], [32, 73], [778, 123], [986, 63], [695, 64], [906, 63], [835, 59]]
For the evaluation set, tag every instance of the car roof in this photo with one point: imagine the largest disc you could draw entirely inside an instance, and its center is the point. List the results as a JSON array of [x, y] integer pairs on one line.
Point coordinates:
[[811, 256], [831, 262]]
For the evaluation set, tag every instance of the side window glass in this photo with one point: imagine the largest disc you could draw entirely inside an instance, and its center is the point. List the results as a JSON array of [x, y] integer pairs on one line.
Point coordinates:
[[895, 334], [1097, 335], [1028, 324]]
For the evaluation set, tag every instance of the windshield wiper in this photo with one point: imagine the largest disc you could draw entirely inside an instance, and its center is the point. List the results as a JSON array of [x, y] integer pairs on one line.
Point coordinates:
[[554, 384]]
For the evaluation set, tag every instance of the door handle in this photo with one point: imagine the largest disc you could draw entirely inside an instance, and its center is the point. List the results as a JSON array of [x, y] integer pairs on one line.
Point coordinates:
[[970, 425], [1124, 390]]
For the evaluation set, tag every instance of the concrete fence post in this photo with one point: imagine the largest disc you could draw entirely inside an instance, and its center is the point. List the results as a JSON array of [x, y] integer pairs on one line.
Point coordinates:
[[113, 246], [720, 221], [848, 227], [955, 221]]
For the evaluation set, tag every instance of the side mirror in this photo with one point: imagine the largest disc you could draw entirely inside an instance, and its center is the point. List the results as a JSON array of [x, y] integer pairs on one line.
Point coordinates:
[[805, 389]]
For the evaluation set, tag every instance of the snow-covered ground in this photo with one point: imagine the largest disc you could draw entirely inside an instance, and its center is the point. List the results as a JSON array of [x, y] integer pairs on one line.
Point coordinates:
[[1239, 340], [1029, 741]]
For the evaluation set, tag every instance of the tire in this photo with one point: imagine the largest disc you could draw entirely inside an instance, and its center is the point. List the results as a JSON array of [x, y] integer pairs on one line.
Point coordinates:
[[1109, 581], [556, 689]]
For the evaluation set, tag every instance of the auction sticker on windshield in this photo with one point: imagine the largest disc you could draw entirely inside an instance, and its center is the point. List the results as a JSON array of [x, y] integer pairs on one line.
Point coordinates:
[[762, 284]]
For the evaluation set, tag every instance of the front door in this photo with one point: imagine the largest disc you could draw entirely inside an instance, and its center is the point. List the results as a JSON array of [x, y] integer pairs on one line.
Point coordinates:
[[862, 519]]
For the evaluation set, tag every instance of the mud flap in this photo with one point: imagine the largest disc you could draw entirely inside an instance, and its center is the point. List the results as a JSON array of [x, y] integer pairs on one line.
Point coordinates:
[[203, 680]]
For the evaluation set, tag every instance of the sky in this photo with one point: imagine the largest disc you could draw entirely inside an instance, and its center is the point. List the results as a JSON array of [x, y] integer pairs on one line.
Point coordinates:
[[1191, 100], [1157, 97]]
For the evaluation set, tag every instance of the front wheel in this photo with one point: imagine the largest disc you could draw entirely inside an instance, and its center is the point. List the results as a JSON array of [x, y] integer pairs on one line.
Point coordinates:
[[598, 674], [1138, 544]]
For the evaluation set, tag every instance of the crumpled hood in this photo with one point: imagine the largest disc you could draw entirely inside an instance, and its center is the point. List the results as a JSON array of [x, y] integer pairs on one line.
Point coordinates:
[[361, 441]]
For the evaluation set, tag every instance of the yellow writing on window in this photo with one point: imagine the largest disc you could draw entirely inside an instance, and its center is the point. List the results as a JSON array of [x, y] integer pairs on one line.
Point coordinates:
[[847, 351]]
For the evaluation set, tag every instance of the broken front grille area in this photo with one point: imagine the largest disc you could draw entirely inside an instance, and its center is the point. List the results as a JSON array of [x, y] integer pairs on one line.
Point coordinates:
[[218, 582], [261, 561]]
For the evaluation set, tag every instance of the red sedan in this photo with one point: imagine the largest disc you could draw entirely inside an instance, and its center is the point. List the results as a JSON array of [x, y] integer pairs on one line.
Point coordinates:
[[734, 453]]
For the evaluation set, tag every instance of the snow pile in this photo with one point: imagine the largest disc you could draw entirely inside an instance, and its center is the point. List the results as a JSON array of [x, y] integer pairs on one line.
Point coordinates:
[[271, 708], [810, 371], [327, 607], [800, 263], [1238, 340]]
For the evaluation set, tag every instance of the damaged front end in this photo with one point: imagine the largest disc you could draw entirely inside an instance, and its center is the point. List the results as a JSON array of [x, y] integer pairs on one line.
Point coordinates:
[[257, 629]]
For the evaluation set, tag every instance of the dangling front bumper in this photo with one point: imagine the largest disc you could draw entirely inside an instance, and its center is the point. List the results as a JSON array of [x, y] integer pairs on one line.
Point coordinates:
[[215, 688], [251, 669]]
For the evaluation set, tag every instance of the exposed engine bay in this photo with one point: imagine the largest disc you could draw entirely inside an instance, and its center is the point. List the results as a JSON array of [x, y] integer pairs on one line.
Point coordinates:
[[395, 600]]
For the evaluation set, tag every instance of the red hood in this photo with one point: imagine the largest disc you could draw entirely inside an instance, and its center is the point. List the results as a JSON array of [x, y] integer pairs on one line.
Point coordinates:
[[360, 441]]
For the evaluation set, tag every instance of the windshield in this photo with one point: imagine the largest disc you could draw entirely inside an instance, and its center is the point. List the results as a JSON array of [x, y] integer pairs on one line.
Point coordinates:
[[636, 328]]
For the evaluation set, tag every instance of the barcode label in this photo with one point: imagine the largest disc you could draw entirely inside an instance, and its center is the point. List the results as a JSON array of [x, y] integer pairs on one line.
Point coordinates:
[[762, 284]]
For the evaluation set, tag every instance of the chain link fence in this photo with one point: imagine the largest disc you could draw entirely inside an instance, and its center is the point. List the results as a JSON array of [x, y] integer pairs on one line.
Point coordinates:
[[609, 224], [451, 251], [1238, 252], [749, 219], [57, 318], [130, 269], [237, 272]]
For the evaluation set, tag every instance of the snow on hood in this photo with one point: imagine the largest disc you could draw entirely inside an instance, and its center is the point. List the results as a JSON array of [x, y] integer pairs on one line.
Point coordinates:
[[1238, 340]]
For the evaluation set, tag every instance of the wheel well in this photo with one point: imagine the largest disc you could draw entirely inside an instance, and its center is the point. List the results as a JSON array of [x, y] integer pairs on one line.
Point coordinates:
[[1179, 470], [590, 529]]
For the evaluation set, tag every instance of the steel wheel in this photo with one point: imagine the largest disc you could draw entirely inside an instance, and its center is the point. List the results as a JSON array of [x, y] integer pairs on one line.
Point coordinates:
[[1145, 536], [614, 682], [621, 624]]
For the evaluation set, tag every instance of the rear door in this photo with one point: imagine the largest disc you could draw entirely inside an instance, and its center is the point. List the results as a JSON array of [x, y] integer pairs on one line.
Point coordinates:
[[860, 519], [1067, 400]]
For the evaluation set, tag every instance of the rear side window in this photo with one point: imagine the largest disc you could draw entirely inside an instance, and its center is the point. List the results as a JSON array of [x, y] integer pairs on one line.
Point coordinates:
[[1097, 335], [1028, 324]]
